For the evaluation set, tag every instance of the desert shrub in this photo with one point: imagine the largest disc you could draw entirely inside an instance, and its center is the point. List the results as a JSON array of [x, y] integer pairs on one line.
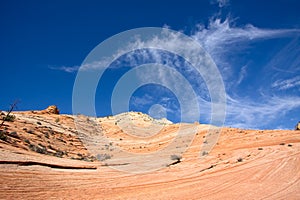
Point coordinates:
[[59, 153], [57, 120], [3, 136], [240, 159], [102, 157], [27, 141], [176, 157], [30, 131], [9, 118], [38, 149], [14, 134]]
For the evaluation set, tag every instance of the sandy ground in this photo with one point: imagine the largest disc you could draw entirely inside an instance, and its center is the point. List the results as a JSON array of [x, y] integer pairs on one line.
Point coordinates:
[[44, 156]]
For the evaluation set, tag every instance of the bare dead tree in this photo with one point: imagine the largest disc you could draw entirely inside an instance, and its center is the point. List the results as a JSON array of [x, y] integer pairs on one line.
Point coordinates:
[[12, 107]]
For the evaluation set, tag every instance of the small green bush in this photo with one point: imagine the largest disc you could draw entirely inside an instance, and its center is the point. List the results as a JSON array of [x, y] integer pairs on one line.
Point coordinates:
[[176, 157], [9, 118], [3, 136], [27, 141]]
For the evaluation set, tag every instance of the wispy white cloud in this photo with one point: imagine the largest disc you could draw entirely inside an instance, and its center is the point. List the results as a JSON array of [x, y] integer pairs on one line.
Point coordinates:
[[140, 102], [168, 104], [219, 38], [287, 84], [84, 67], [245, 113], [220, 32], [282, 70], [66, 69], [216, 38], [287, 59], [221, 3], [242, 74]]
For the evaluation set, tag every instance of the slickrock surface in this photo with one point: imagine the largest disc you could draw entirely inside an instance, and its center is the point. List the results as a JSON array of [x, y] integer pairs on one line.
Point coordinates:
[[43, 156]]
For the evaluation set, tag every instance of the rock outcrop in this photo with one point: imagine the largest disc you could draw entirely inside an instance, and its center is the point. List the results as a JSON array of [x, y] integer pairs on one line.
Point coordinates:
[[52, 110], [297, 127]]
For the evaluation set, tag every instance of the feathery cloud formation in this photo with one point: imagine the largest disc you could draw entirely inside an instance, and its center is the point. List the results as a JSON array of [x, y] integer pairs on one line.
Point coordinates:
[[219, 39]]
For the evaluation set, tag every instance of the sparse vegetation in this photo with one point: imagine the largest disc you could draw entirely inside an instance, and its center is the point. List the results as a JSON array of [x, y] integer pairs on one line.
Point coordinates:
[[57, 120], [30, 131], [3, 135], [240, 159], [14, 134], [176, 157], [59, 153], [102, 157], [38, 148], [9, 117], [260, 148], [27, 141]]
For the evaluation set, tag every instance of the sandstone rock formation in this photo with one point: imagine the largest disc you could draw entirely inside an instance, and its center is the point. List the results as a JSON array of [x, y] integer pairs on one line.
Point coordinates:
[[52, 109], [43, 159]]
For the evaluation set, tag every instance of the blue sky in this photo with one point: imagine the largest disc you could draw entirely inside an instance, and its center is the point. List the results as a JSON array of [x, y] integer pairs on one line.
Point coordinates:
[[255, 45]]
